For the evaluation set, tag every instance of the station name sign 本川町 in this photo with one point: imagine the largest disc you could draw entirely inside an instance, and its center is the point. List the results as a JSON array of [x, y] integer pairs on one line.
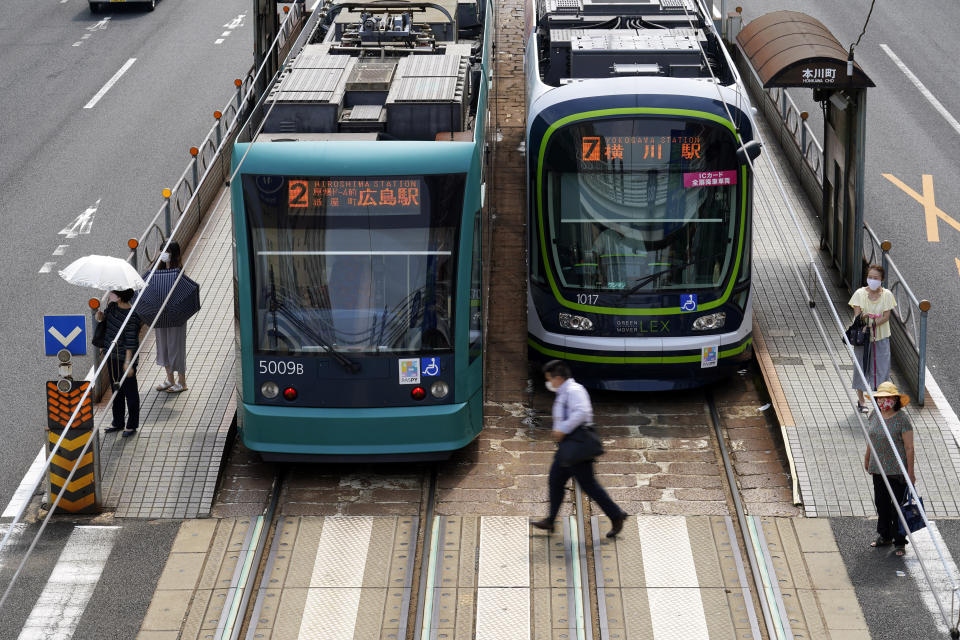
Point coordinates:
[[825, 74]]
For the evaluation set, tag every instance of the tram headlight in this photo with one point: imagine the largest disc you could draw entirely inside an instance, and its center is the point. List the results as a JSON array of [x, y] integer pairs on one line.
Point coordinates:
[[575, 322], [269, 390], [439, 389], [710, 321]]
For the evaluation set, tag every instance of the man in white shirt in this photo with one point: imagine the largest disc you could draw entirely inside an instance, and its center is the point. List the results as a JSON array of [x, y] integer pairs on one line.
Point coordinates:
[[571, 410]]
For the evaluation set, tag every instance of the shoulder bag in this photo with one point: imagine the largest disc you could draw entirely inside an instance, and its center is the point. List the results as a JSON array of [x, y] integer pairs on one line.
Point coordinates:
[[911, 513], [99, 338], [858, 332], [579, 445]]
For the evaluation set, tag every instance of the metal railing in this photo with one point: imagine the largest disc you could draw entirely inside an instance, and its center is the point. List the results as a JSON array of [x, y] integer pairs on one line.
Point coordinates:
[[908, 324], [909, 318]]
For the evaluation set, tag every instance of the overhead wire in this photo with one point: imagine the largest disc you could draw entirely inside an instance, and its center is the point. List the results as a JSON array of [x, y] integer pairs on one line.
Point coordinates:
[[948, 619], [123, 325]]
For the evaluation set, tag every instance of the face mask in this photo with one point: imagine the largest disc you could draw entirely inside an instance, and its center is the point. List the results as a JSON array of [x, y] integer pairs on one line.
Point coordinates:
[[549, 385], [873, 283], [113, 297], [886, 404]]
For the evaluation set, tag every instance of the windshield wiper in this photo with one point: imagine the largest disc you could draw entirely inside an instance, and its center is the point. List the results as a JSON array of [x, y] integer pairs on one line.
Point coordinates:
[[350, 366], [653, 276]]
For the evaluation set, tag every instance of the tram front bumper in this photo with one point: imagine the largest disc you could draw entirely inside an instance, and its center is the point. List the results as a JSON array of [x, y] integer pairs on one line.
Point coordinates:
[[394, 433]]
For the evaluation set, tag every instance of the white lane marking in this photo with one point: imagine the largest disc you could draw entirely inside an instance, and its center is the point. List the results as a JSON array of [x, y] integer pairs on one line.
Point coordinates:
[[12, 541], [676, 608], [64, 339], [60, 250], [225, 34], [64, 1], [100, 26], [503, 579], [83, 223], [218, 41], [77, 43], [940, 579], [25, 491], [315, 5], [72, 582], [112, 81], [922, 89], [47, 267], [946, 411], [333, 598], [236, 22]]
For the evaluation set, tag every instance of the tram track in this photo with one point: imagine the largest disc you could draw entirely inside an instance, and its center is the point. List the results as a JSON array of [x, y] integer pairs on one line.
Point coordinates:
[[750, 540]]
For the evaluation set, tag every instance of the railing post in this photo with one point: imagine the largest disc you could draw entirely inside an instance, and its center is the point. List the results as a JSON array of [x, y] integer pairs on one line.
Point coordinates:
[[133, 243], [98, 384], [218, 115], [196, 175], [239, 84], [803, 134], [924, 307], [783, 105], [167, 214], [884, 248]]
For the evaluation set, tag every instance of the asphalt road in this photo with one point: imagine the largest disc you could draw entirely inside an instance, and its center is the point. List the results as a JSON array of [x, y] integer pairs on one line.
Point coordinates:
[[907, 137], [62, 153], [58, 159]]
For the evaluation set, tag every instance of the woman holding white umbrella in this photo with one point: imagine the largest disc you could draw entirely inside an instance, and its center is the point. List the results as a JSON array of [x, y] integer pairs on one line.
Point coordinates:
[[121, 359], [121, 279]]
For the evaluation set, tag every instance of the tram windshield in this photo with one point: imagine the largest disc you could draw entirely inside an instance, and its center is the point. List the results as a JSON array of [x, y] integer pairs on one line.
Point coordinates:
[[641, 204], [353, 264]]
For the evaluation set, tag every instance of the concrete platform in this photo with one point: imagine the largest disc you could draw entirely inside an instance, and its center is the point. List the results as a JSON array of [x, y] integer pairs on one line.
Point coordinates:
[[169, 469]]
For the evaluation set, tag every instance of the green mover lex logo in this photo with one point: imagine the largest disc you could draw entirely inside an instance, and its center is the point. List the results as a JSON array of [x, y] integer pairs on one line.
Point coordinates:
[[637, 326]]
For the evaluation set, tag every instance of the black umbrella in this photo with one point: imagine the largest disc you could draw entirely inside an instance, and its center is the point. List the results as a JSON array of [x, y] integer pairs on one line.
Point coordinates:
[[183, 304]]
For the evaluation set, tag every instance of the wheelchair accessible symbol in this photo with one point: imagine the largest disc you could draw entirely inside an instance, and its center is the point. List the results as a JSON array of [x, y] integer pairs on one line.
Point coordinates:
[[688, 302], [430, 367]]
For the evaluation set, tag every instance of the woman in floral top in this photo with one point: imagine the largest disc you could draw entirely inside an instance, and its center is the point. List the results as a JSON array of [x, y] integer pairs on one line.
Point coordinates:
[[890, 401]]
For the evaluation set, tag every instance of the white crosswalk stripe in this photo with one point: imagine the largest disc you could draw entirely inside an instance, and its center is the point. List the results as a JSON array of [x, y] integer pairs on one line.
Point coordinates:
[[61, 604]]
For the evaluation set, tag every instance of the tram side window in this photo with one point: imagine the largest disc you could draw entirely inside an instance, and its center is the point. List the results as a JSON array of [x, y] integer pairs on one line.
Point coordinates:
[[476, 290]]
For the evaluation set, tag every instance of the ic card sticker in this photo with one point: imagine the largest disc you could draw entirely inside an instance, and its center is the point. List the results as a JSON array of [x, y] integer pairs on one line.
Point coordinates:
[[708, 356], [409, 370]]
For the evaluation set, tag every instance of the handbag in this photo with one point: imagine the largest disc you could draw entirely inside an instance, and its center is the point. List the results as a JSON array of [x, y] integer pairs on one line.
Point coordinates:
[[911, 513], [99, 338], [858, 332], [578, 446]]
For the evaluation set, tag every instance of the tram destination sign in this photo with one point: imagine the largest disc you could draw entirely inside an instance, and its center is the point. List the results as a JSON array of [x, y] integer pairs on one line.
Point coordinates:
[[639, 149], [354, 196]]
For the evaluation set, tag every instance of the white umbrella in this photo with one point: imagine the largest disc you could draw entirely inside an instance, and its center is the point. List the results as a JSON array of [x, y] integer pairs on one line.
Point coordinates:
[[103, 272]]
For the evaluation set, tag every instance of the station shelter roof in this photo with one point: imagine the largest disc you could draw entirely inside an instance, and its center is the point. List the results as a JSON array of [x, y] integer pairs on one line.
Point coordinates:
[[792, 49]]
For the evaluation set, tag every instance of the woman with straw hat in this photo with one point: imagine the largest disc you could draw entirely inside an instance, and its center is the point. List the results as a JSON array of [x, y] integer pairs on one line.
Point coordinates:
[[890, 402]]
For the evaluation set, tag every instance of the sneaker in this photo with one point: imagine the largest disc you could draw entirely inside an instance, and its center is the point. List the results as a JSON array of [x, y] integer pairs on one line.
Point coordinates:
[[163, 386], [129, 432], [176, 388]]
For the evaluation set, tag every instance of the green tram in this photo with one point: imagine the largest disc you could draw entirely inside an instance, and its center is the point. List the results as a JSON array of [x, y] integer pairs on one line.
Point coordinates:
[[357, 215], [639, 194]]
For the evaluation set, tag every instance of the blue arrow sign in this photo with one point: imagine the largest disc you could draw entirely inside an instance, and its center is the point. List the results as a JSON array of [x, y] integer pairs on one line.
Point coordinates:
[[65, 332]]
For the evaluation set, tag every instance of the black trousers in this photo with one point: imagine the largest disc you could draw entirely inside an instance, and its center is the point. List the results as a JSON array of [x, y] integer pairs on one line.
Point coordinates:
[[888, 523], [127, 394], [583, 472]]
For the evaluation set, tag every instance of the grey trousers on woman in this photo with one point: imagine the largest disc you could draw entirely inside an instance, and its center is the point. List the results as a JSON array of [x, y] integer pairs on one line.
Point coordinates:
[[866, 359]]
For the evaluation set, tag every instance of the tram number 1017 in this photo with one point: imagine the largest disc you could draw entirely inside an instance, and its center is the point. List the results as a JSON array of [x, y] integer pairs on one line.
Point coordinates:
[[281, 367], [587, 298]]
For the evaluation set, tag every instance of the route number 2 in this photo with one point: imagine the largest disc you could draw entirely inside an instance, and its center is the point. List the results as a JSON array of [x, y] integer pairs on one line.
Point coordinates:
[[587, 298]]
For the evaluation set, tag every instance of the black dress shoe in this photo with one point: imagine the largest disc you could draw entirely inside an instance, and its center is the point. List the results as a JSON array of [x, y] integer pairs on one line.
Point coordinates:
[[616, 525], [545, 524], [112, 429]]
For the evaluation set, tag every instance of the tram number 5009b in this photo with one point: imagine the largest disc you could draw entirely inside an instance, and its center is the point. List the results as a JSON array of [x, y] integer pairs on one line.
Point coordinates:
[[587, 298], [281, 367]]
